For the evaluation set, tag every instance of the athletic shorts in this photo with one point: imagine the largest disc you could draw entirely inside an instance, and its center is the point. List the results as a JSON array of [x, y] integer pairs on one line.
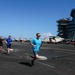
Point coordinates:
[[35, 53], [8, 45], [1, 43]]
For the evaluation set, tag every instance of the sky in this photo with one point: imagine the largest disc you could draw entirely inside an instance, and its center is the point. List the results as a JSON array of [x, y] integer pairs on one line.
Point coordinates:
[[24, 18]]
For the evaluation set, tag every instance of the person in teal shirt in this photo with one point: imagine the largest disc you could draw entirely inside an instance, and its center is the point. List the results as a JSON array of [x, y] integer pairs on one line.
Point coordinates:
[[36, 44]]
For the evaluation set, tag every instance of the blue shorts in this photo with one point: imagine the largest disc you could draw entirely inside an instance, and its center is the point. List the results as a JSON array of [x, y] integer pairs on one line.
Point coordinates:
[[8, 45], [35, 52]]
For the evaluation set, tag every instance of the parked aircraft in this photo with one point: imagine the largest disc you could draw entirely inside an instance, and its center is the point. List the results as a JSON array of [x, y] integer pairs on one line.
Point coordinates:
[[53, 39]]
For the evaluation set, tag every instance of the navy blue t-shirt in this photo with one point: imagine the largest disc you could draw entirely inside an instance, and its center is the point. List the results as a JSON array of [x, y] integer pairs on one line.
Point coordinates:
[[9, 40]]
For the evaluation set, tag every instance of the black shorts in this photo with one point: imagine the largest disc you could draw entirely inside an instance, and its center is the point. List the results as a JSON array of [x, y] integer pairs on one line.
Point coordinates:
[[1, 44], [35, 53]]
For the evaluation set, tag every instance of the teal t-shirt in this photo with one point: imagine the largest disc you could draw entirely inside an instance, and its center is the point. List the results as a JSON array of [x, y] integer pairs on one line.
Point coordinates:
[[37, 43]]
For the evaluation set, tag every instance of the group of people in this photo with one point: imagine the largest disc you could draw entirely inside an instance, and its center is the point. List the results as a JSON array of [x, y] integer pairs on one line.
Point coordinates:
[[8, 43], [35, 43]]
